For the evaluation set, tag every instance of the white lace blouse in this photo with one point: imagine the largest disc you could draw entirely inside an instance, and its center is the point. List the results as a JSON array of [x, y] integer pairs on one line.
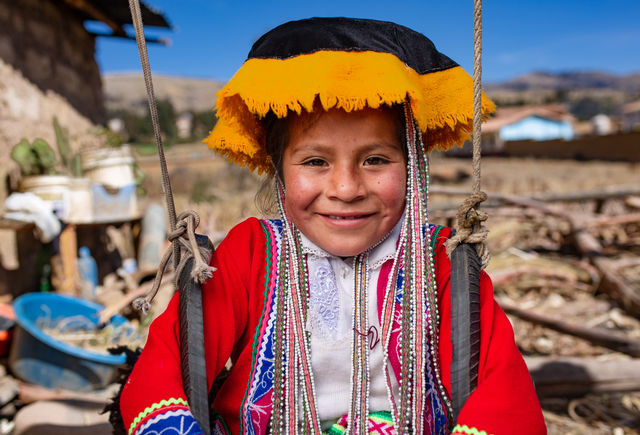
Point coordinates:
[[330, 320]]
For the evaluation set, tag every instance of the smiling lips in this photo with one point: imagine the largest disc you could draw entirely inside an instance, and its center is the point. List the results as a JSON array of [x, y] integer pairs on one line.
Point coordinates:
[[346, 217]]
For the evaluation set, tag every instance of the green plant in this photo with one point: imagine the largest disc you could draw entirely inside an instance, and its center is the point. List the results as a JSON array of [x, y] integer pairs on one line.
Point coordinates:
[[70, 161], [36, 158]]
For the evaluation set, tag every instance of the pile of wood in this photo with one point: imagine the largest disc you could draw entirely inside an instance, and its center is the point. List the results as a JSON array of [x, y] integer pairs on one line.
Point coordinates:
[[566, 270]]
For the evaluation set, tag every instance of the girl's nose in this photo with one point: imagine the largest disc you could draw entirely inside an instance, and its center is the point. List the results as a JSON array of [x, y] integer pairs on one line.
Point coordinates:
[[345, 184]]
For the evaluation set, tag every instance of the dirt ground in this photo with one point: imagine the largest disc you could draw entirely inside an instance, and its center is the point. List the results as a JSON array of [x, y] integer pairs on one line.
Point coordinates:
[[224, 194]]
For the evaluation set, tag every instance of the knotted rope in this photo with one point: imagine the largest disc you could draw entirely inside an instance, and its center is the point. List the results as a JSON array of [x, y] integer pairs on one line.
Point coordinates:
[[184, 236], [469, 228], [182, 228]]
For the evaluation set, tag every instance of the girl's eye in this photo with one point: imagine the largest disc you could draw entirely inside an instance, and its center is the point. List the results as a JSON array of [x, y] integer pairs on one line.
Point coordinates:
[[314, 162], [375, 160]]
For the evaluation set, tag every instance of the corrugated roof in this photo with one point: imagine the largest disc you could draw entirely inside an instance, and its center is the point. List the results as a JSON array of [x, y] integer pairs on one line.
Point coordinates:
[[115, 14]]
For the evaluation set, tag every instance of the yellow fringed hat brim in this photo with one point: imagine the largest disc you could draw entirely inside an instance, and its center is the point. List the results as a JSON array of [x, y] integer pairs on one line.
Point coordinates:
[[442, 101]]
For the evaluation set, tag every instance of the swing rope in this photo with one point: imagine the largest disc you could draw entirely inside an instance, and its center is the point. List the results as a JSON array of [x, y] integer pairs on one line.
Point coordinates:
[[469, 219], [182, 233], [197, 250], [138, 27], [469, 255]]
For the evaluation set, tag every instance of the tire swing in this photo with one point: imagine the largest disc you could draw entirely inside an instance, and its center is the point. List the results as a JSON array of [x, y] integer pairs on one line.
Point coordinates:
[[469, 255]]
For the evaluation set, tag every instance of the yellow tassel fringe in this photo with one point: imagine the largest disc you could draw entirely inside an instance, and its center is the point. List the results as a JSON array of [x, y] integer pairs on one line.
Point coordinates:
[[442, 101]]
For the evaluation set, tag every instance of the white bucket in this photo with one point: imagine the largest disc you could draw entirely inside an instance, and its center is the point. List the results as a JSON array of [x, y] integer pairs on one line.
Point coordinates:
[[110, 167], [53, 189], [80, 201]]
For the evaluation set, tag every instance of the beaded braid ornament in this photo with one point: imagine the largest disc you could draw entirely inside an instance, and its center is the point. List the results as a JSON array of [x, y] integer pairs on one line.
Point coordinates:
[[418, 336]]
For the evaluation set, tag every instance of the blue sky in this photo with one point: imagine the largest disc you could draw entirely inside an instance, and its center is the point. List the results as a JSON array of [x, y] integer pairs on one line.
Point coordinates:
[[211, 38]]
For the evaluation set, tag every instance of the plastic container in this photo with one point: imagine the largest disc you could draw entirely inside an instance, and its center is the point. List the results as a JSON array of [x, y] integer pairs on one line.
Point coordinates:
[[111, 167], [88, 271], [80, 201], [113, 183], [38, 358], [108, 205], [53, 189], [153, 236]]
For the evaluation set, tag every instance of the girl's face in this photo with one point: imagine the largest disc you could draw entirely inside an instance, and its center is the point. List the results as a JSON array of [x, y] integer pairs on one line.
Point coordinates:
[[345, 178]]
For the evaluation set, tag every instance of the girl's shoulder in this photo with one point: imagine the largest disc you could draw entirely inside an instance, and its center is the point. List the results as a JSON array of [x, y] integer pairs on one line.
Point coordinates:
[[251, 228], [246, 236]]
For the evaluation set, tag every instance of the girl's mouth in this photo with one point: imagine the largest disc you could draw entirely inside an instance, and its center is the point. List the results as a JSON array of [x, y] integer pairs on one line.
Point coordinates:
[[345, 217]]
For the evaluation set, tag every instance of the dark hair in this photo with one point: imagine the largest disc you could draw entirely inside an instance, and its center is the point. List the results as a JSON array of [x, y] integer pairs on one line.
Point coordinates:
[[277, 134]]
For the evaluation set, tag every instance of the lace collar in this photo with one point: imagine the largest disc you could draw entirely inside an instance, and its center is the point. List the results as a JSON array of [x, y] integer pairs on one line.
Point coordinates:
[[380, 253]]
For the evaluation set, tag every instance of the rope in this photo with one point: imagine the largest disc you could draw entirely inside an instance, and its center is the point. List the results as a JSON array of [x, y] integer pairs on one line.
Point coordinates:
[[136, 17], [182, 228], [477, 92], [184, 235], [469, 220]]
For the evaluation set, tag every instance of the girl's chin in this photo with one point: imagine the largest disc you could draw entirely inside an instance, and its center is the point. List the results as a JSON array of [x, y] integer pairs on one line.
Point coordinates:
[[341, 247]]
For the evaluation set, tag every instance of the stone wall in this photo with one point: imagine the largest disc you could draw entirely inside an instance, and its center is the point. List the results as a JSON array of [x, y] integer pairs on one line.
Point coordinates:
[[47, 69]]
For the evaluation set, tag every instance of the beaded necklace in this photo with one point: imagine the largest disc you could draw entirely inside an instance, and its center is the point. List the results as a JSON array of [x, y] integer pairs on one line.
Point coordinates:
[[419, 320]]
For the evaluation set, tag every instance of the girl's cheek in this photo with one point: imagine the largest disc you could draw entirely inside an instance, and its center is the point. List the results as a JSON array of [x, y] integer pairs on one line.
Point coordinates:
[[300, 186]]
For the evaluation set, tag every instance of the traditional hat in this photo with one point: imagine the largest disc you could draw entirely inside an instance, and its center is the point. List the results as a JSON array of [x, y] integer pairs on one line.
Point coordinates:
[[347, 64]]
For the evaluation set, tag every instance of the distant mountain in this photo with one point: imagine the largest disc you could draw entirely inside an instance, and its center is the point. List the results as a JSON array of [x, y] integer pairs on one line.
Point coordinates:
[[127, 91], [566, 87], [569, 81]]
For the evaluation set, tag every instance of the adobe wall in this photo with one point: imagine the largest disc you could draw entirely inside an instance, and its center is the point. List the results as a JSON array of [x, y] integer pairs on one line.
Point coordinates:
[[620, 147], [47, 69]]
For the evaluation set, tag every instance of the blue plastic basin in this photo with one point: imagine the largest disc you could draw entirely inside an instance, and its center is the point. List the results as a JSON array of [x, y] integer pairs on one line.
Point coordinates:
[[38, 358]]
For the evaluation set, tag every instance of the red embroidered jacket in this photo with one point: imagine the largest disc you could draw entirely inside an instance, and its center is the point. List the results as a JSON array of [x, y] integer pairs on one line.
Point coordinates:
[[236, 312]]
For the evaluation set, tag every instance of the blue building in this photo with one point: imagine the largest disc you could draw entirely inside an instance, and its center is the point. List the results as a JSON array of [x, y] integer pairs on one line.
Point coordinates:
[[548, 122], [537, 128]]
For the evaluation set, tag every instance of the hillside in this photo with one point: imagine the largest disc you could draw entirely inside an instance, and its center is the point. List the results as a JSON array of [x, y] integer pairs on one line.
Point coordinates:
[[543, 87], [127, 91], [566, 81]]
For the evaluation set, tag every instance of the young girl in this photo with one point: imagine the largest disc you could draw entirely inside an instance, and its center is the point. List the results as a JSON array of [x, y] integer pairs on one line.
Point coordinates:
[[336, 317]]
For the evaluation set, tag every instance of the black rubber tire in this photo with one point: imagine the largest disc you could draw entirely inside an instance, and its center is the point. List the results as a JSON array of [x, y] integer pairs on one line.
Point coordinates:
[[194, 372], [465, 324]]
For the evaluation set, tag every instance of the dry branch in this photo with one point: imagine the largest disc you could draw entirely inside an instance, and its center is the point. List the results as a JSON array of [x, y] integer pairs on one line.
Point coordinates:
[[112, 309], [572, 377], [613, 220], [612, 282], [502, 277], [602, 337]]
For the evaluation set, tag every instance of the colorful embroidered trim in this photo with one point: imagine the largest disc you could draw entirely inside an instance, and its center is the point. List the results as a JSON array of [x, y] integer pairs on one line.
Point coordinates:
[[378, 423], [219, 426], [178, 422], [435, 232], [258, 396], [175, 402], [464, 429]]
